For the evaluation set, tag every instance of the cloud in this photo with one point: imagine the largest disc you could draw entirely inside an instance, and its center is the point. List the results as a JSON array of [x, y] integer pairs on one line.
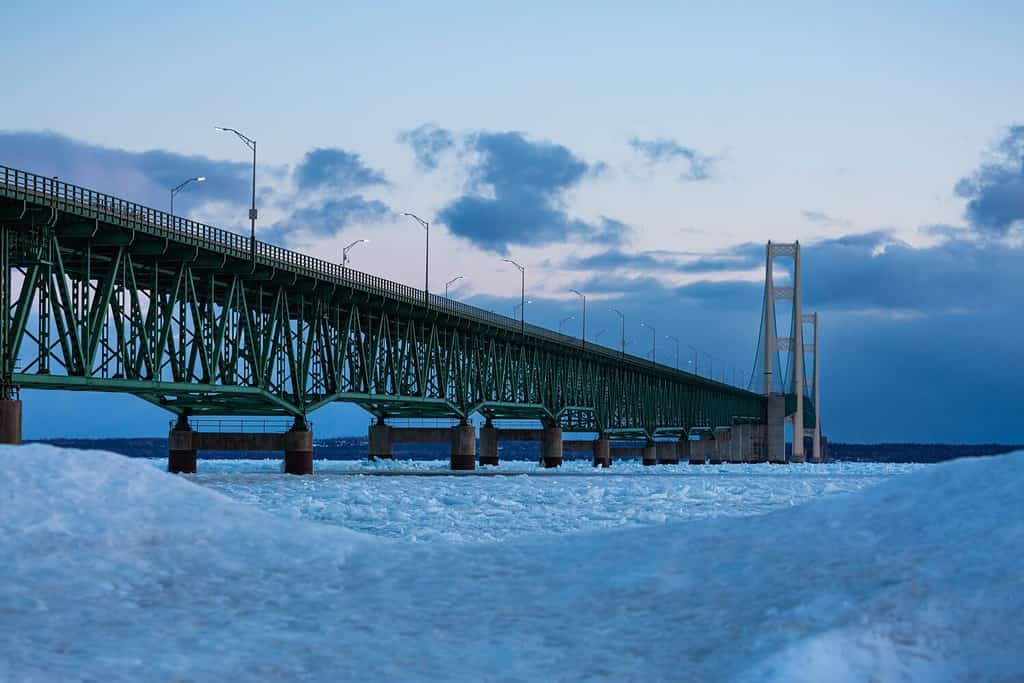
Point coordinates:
[[664, 150], [823, 219], [319, 195], [995, 191], [144, 177], [740, 258], [516, 193], [428, 143], [335, 170]]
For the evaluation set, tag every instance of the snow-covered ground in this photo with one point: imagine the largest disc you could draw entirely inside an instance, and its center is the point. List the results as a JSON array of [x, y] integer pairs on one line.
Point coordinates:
[[575, 497], [111, 570]]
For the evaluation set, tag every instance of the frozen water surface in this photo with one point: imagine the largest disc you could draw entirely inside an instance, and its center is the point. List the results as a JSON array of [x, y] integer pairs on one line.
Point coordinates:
[[111, 570], [519, 498]]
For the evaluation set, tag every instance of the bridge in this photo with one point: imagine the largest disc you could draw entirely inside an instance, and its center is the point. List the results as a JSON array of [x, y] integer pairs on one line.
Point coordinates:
[[104, 294]]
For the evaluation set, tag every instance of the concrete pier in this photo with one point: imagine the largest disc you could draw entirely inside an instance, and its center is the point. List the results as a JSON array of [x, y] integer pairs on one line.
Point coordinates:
[[668, 452], [700, 450], [775, 428], [181, 452], [298, 448], [720, 445], [650, 456], [758, 447], [602, 452], [683, 448], [10, 421], [551, 446], [488, 444], [463, 454], [737, 444], [380, 442]]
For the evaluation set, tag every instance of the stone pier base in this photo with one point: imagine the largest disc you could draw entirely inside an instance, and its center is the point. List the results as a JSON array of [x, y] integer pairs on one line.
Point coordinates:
[[380, 442], [10, 421], [551, 446], [298, 449], [488, 445], [602, 452], [668, 452], [181, 452], [463, 455], [650, 456]]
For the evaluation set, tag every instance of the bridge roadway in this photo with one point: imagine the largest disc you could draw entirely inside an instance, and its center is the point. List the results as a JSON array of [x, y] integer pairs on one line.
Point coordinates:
[[109, 295]]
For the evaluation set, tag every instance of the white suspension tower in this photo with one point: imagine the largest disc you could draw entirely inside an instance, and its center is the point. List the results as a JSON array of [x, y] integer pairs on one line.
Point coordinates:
[[794, 343]]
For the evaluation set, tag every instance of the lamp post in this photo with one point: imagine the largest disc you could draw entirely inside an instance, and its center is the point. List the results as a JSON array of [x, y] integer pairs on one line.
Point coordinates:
[[522, 294], [426, 259], [450, 283], [676, 340], [695, 362], [251, 144], [599, 333], [583, 332], [654, 342], [344, 252], [563, 321], [622, 327], [179, 188]]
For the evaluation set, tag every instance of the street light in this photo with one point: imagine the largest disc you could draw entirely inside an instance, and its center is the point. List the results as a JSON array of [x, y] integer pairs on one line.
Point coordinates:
[[251, 144], [676, 340], [654, 342], [622, 325], [518, 306], [696, 361], [522, 294], [563, 321], [179, 188], [426, 260], [344, 252], [583, 332], [450, 283]]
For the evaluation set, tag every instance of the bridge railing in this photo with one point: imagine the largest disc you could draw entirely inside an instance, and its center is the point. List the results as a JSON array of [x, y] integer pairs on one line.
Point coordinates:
[[62, 196]]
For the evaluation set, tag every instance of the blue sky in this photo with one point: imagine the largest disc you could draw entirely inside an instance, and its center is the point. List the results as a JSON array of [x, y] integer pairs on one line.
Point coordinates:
[[643, 153]]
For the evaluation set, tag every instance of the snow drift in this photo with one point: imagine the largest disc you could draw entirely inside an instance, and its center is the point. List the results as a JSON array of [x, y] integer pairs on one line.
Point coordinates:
[[114, 571]]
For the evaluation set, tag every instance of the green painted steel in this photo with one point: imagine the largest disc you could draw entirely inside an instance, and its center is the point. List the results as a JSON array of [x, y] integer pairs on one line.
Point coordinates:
[[107, 295]]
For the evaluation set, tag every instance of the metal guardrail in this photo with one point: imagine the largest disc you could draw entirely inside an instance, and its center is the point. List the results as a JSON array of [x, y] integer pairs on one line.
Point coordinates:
[[61, 196], [240, 425]]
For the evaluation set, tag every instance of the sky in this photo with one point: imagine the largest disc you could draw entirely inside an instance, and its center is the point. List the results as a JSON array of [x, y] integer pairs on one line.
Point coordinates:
[[643, 154]]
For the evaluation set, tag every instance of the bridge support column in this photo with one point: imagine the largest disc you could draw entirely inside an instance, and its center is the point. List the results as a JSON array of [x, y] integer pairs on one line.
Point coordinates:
[[602, 452], [650, 456], [734, 445], [683, 449], [551, 446], [700, 450], [380, 441], [298, 448], [741, 442], [758, 446], [775, 429], [720, 445], [488, 444], [181, 451], [463, 455], [10, 421], [668, 452]]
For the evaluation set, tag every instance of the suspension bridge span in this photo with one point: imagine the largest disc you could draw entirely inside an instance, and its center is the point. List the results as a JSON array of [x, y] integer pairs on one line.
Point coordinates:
[[103, 294]]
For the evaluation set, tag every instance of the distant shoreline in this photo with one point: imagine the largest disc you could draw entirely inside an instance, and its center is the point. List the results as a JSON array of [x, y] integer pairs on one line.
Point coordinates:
[[354, 448]]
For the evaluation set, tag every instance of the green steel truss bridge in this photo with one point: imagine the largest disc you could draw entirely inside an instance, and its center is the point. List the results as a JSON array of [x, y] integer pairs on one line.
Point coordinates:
[[103, 294]]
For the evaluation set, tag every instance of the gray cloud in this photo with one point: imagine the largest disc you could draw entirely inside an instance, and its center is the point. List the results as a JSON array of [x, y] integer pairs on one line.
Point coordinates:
[[664, 150], [995, 191], [428, 143], [516, 196], [825, 220], [336, 170]]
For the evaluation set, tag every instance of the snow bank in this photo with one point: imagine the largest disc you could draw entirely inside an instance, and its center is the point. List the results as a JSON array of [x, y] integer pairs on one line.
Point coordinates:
[[114, 571]]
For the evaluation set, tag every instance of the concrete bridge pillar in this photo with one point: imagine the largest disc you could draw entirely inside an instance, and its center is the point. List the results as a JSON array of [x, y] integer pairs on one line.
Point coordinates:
[[668, 453], [10, 421], [488, 444], [735, 444], [380, 441], [602, 452], [758, 446], [700, 449], [775, 429], [683, 449], [181, 452], [650, 456], [551, 446], [463, 455], [298, 448], [719, 445], [741, 442]]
